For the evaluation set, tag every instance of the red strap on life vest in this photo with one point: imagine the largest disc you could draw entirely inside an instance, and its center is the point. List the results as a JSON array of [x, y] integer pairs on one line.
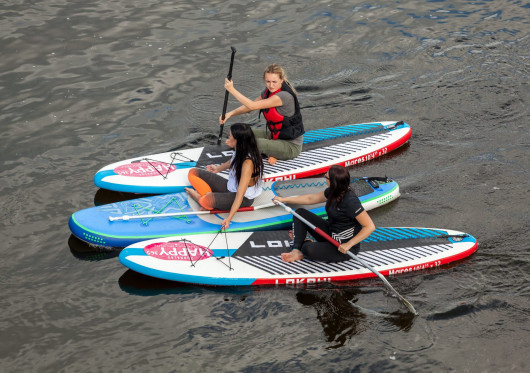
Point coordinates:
[[273, 118]]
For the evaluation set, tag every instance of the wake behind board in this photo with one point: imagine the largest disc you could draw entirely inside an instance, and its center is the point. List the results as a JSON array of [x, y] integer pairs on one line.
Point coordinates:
[[93, 225], [345, 145], [253, 258]]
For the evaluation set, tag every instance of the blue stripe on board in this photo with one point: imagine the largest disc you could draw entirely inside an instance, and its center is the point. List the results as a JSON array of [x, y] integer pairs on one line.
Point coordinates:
[[406, 233], [379, 235], [220, 253], [182, 165], [429, 232], [387, 234], [392, 234], [347, 128], [342, 131], [98, 178], [411, 233]]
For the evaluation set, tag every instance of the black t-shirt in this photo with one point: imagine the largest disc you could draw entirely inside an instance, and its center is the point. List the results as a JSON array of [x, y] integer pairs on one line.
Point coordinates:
[[342, 217]]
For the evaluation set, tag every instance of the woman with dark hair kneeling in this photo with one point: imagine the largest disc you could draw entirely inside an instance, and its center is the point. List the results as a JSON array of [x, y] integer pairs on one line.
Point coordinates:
[[348, 222], [244, 176]]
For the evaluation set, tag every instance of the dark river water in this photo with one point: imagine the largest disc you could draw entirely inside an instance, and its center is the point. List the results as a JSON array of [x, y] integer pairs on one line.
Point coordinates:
[[87, 83]]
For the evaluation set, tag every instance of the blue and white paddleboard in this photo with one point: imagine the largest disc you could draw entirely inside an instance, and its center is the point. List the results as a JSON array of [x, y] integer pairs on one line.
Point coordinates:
[[345, 145], [253, 258], [123, 223]]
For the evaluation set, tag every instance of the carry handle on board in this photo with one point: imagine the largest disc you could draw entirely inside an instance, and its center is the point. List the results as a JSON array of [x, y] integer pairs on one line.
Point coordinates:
[[337, 244], [229, 77], [374, 180]]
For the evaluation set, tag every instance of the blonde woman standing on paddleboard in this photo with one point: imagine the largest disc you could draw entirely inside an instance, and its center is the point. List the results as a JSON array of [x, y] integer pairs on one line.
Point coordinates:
[[283, 136]]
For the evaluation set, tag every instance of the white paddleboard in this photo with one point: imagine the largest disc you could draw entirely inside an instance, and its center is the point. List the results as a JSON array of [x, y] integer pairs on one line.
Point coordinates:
[[344, 145]]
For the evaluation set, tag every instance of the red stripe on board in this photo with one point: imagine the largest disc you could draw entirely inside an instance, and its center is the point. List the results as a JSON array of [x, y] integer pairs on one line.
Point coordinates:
[[248, 208]]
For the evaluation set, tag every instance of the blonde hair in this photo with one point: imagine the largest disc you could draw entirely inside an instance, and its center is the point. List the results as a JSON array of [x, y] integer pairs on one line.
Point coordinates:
[[277, 69]]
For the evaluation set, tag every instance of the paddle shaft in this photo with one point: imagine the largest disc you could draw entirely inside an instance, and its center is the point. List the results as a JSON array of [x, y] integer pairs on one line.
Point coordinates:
[[201, 212], [229, 77], [337, 244]]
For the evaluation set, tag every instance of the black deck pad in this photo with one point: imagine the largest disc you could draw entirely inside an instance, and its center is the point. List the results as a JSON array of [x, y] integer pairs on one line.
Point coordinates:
[[273, 243]]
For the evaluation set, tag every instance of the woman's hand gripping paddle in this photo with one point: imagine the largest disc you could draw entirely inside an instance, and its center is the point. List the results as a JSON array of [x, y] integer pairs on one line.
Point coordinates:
[[229, 77], [337, 244]]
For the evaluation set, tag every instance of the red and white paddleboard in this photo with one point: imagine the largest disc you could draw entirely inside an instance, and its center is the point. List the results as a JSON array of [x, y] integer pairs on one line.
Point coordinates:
[[343, 145], [253, 258]]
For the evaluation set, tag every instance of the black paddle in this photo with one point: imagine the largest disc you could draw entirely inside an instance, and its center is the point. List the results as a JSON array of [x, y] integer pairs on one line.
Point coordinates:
[[229, 77]]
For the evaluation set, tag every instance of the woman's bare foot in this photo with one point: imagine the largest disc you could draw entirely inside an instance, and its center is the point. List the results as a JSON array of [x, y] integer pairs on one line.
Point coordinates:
[[193, 194], [272, 160], [292, 256]]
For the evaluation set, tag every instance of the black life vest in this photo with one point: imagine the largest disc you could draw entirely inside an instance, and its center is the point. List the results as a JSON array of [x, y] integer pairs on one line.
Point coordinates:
[[283, 127]]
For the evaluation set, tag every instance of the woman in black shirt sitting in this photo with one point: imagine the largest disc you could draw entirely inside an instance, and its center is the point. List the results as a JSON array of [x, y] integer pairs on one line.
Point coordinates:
[[348, 222]]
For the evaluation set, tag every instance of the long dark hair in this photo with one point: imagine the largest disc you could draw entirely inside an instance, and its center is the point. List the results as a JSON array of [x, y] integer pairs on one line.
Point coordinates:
[[246, 147], [339, 184]]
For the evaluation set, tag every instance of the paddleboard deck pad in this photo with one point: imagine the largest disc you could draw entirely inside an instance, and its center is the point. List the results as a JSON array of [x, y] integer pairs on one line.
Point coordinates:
[[93, 225], [254, 258], [344, 145]]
